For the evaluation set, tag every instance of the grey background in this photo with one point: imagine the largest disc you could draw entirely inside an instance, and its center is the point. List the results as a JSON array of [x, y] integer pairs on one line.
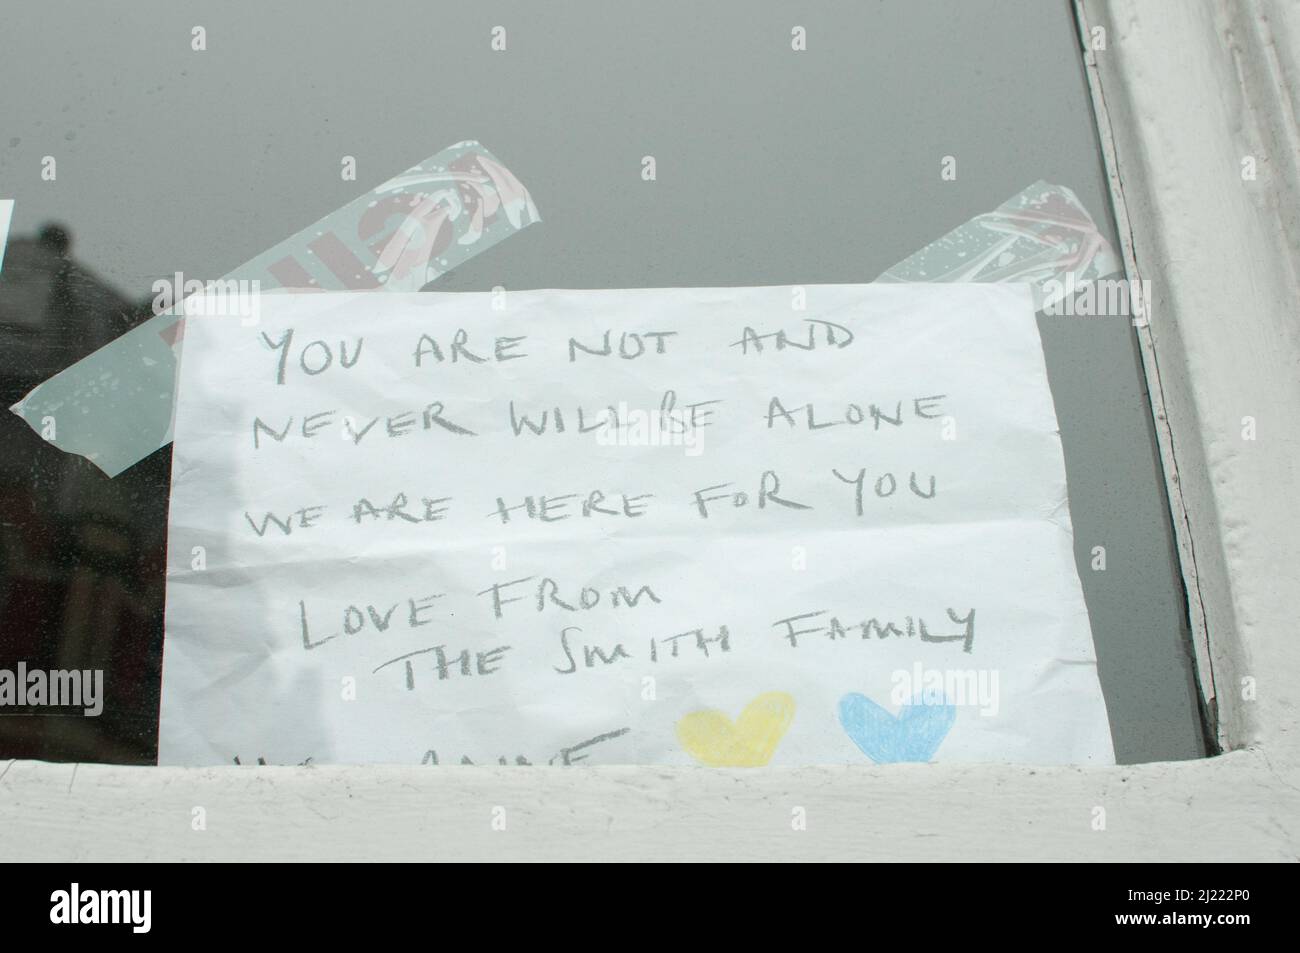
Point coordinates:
[[774, 167]]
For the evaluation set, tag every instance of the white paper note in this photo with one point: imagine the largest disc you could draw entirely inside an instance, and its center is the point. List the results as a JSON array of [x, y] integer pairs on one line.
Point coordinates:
[[730, 526]]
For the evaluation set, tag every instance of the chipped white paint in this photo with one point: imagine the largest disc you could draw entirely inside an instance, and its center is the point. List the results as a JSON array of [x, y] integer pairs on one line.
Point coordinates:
[[1188, 91]]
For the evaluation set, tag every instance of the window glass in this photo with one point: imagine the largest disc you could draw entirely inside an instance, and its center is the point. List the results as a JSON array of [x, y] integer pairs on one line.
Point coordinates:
[[775, 164]]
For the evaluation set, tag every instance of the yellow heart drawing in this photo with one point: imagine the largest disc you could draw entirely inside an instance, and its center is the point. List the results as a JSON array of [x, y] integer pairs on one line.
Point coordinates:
[[749, 742]]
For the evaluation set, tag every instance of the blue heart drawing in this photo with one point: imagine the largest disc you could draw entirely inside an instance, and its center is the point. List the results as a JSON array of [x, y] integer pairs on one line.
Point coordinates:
[[914, 735]]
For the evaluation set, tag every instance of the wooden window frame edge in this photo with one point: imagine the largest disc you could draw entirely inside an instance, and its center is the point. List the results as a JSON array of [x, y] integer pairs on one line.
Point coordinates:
[[1173, 140]]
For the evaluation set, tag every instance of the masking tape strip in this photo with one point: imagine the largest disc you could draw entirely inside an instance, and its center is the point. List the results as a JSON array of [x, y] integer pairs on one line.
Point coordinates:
[[1042, 236], [116, 406], [6, 216]]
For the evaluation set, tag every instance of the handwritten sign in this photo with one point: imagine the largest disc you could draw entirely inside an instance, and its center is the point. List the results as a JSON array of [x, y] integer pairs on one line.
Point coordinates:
[[728, 526]]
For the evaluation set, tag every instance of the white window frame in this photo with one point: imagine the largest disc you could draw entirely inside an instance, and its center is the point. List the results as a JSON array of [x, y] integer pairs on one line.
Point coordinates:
[[1184, 91]]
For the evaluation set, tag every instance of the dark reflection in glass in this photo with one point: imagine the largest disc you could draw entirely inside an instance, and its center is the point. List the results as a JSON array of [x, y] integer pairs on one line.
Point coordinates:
[[81, 556]]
